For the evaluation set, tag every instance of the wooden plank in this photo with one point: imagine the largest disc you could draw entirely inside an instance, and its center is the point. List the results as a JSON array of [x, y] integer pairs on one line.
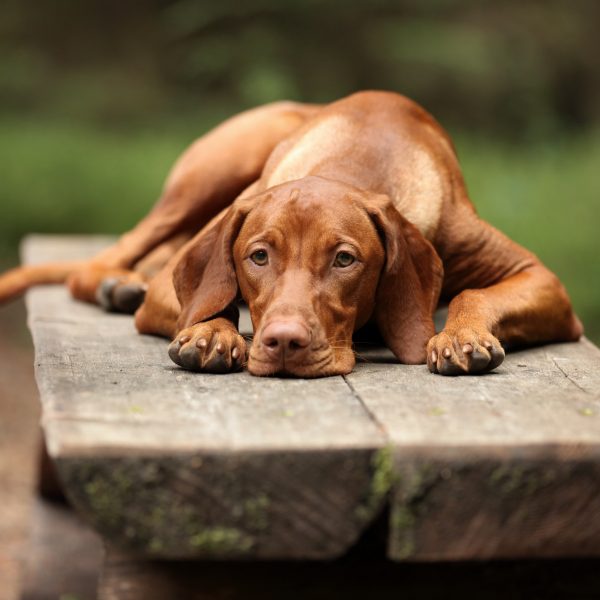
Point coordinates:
[[179, 464], [496, 502], [127, 390], [549, 394], [495, 466]]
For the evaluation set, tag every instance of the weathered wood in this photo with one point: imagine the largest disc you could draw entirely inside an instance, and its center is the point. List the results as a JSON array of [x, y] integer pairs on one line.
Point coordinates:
[[176, 464], [544, 395], [502, 465], [495, 502]]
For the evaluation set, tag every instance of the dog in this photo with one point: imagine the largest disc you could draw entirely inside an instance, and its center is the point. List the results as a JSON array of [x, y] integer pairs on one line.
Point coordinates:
[[323, 219]]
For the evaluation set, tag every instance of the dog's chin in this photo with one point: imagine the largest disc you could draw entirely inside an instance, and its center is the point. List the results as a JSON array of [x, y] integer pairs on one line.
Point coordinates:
[[340, 362]]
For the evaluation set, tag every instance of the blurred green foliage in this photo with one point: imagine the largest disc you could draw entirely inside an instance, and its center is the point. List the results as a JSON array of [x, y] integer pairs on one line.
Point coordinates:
[[98, 98], [517, 68]]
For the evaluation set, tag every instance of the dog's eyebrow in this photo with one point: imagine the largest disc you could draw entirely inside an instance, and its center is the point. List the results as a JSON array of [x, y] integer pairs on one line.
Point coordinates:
[[272, 236], [345, 239], [337, 238], [331, 244]]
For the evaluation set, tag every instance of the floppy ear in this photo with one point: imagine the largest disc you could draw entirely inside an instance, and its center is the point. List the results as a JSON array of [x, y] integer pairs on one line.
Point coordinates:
[[204, 278], [409, 284]]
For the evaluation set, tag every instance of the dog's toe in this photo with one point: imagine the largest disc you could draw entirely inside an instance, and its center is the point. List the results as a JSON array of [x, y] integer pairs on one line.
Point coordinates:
[[218, 363], [174, 348], [497, 355], [479, 361], [128, 297], [104, 292], [189, 358]]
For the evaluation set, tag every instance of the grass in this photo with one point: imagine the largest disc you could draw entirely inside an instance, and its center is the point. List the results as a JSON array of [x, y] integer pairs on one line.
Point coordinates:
[[60, 177], [73, 177]]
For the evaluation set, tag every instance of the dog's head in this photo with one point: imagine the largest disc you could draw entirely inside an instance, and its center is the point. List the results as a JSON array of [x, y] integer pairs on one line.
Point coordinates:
[[315, 260]]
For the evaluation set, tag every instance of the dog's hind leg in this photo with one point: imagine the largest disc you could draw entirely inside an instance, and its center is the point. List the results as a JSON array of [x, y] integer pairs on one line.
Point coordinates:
[[208, 177], [122, 290]]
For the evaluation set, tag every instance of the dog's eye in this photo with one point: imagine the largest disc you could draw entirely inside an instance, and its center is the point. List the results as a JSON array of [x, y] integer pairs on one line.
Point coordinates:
[[259, 257], [343, 259]]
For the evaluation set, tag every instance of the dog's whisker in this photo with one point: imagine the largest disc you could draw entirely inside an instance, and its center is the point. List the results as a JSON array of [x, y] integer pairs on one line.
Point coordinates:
[[339, 341], [363, 358]]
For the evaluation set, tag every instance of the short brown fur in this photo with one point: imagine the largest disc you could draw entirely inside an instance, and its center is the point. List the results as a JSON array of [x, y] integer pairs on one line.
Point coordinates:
[[360, 213]]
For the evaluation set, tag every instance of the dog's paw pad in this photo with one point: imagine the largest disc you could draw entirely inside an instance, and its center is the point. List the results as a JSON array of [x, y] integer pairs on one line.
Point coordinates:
[[115, 294], [208, 348], [465, 351]]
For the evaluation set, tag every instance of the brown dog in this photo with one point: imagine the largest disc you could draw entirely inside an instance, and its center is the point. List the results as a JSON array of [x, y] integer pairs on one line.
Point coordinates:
[[322, 219]]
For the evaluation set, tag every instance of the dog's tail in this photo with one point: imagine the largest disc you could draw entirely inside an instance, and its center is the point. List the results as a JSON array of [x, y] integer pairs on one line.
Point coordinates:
[[17, 281]]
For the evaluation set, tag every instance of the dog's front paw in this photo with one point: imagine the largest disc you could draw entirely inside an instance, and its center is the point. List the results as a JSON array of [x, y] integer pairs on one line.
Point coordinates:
[[211, 347], [463, 351]]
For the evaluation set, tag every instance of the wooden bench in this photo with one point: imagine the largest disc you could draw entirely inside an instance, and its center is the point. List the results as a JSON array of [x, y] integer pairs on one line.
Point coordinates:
[[167, 464]]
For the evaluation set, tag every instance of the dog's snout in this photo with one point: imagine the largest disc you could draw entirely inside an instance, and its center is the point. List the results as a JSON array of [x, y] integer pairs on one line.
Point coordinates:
[[285, 337]]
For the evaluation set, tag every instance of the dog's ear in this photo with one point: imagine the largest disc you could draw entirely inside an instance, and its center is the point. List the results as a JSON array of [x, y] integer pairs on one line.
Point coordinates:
[[409, 284], [204, 278]]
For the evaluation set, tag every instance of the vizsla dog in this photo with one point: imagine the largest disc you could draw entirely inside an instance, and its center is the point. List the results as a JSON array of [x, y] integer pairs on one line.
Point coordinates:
[[322, 219]]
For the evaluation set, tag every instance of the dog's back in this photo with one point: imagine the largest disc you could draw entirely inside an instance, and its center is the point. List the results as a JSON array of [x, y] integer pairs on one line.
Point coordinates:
[[377, 141]]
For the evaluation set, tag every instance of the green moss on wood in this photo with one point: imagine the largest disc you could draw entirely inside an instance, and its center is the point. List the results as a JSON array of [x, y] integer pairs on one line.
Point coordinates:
[[403, 521], [136, 504], [382, 479], [410, 504], [221, 541], [256, 512], [105, 495], [520, 479]]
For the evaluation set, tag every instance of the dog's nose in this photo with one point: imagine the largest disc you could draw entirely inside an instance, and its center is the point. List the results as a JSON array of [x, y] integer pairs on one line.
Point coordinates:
[[285, 337]]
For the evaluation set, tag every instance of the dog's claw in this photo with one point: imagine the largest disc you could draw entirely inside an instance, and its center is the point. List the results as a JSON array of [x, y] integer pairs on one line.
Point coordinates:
[[463, 352], [211, 347]]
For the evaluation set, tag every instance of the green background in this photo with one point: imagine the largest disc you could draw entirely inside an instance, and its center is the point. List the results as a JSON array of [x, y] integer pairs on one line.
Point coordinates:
[[97, 99]]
